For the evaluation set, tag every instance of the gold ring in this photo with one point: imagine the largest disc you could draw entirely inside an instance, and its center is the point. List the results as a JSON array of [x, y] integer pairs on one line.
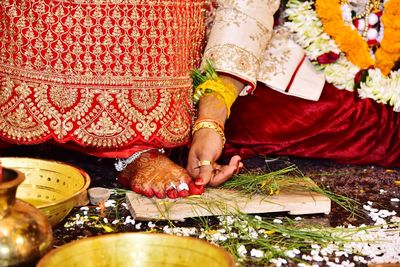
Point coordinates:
[[204, 163]]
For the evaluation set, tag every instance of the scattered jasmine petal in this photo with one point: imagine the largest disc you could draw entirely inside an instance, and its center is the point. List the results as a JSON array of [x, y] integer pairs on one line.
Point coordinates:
[[256, 253], [151, 224], [277, 221], [229, 220], [296, 251], [317, 258], [367, 207], [314, 252], [290, 253], [84, 208], [138, 226], [339, 253], [110, 203], [242, 250], [115, 222], [298, 218], [234, 235], [128, 219], [105, 220], [306, 257], [252, 233], [278, 262], [315, 246], [395, 200]]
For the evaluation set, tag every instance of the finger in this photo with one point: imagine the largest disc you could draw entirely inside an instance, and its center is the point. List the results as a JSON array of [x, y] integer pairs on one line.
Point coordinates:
[[235, 160], [192, 166], [240, 167], [205, 175], [227, 171], [222, 176]]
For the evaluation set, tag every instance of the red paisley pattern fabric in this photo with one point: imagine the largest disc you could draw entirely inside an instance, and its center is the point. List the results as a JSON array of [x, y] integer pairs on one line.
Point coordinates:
[[103, 74]]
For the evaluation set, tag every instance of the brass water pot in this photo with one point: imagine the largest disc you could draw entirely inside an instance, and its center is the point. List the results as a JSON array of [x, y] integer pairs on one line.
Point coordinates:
[[25, 233]]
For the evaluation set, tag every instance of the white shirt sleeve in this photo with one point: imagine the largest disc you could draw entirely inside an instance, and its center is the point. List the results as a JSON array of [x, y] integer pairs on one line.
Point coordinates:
[[243, 43], [239, 36]]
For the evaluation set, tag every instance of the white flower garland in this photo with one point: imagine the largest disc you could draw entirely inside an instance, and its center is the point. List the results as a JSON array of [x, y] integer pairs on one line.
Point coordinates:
[[308, 32]]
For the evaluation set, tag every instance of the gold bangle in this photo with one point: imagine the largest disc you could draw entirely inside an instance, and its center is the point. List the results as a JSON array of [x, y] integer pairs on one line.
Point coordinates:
[[218, 122], [209, 125]]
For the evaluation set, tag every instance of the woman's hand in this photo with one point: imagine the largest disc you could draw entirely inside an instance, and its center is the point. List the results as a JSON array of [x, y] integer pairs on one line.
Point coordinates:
[[207, 146], [207, 143]]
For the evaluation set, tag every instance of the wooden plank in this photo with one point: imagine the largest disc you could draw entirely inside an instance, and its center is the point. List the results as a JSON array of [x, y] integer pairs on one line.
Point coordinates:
[[223, 202]]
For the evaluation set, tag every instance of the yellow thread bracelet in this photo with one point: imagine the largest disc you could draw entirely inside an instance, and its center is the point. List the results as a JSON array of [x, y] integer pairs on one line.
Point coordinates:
[[226, 91]]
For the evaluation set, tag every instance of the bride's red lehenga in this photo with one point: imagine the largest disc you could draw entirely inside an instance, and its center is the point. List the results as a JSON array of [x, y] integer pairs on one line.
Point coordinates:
[[108, 79]]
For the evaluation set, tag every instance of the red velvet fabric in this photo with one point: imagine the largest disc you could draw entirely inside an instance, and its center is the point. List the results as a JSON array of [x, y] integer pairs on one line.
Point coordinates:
[[340, 126]]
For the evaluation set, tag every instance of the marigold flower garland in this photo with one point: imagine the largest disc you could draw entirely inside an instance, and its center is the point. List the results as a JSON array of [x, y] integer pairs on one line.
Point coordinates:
[[389, 52], [348, 39], [352, 44], [307, 27]]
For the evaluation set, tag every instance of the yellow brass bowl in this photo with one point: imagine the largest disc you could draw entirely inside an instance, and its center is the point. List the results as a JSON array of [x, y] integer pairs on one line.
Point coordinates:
[[52, 187], [138, 249]]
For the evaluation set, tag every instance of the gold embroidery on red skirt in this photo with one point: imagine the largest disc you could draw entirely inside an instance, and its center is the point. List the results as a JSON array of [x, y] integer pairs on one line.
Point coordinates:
[[83, 42], [96, 117], [80, 70]]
